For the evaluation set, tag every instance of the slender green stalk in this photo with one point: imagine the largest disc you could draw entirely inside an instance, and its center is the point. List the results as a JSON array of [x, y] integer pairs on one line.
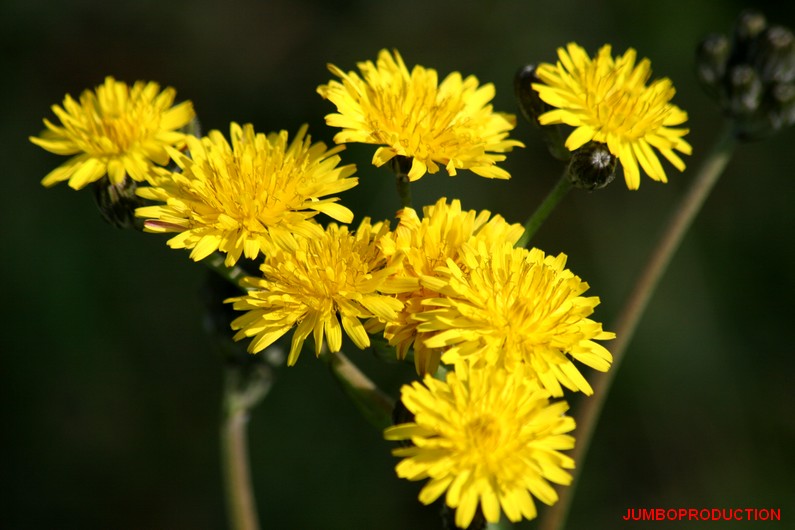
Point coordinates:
[[404, 190], [401, 165], [588, 412], [245, 385], [215, 262], [545, 208], [374, 404]]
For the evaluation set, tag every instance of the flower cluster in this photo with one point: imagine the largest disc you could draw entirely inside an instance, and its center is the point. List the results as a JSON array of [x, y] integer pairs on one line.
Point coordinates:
[[752, 75], [496, 331]]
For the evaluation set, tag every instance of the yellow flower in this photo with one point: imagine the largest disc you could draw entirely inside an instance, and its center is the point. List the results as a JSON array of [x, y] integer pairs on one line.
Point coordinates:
[[512, 307], [425, 244], [247, 197], [485, 437], [607, 101], [411, 115], [116, 131], [335, 273]]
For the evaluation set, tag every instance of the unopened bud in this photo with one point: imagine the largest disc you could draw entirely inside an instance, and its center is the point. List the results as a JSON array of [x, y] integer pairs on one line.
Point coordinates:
[[775, 58], [592, 166], [531, 106], [750, 24], [783, 114], [745, 89], [117, 202], [712, 56], [529, 103], [755, 87]]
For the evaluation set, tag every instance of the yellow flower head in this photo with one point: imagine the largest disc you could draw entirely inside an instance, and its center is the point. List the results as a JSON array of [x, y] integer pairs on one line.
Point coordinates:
[[335, 273], [244, 198], [512, 307], [426, 244], [485, 437], [116, 130], [607, 101], [409, 114]]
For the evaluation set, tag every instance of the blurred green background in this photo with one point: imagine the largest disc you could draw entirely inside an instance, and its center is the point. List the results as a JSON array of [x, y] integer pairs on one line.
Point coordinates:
[[111, 388]]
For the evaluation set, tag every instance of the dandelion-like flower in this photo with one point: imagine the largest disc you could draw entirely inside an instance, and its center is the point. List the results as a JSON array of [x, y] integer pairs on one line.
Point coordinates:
[[336, 276], [423, 245], [484, 437], [116, 130], [511, 307], [244, 198], [409, 114], [606, 99]]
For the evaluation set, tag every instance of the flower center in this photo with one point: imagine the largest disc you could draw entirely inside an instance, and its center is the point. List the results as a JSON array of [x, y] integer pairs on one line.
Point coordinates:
[[483, 435]]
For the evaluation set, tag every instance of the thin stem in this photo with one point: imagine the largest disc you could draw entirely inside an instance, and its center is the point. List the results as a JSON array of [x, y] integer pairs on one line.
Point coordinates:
[[375, 405], [244, 386], [215, 262], [404, 190], [590, 409], [401, 165], [545, 208]]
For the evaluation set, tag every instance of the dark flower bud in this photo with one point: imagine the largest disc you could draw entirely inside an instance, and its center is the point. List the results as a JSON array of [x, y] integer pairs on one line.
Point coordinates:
[[529, 103], [775, 58], [745, 89], [531, 107], [592, 166], [750, 24], [712, 56], [117, 202], [783, 113], [754, 86]]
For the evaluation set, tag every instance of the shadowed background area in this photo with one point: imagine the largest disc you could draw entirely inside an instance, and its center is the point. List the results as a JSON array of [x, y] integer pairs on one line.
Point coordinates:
[[111, 388]]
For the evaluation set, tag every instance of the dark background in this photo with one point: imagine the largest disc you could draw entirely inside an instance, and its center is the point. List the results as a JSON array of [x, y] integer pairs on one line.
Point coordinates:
[[111, 389]]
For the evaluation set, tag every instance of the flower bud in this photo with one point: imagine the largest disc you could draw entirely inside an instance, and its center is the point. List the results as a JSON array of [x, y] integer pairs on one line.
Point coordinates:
[[750, 24], [775, 58], [117, 202], [745, 89], [592, 166], [711, 58], [529, 102], [783, 113], [754, 86], [531, 106]]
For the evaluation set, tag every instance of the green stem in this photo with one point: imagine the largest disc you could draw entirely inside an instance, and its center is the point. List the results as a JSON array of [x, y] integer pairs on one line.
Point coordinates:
[[215, 262], [545, 208], [401, 165], [404, 190], [374, 404], [245, 385], [680, 221]]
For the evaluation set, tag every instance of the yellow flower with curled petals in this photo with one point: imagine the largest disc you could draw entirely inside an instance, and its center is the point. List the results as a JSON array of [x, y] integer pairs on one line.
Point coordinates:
[[513, 307], [607, 100], [244, 198], [427, 243], [484, 438], [412, 115], [337, 276], [115, 130]]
